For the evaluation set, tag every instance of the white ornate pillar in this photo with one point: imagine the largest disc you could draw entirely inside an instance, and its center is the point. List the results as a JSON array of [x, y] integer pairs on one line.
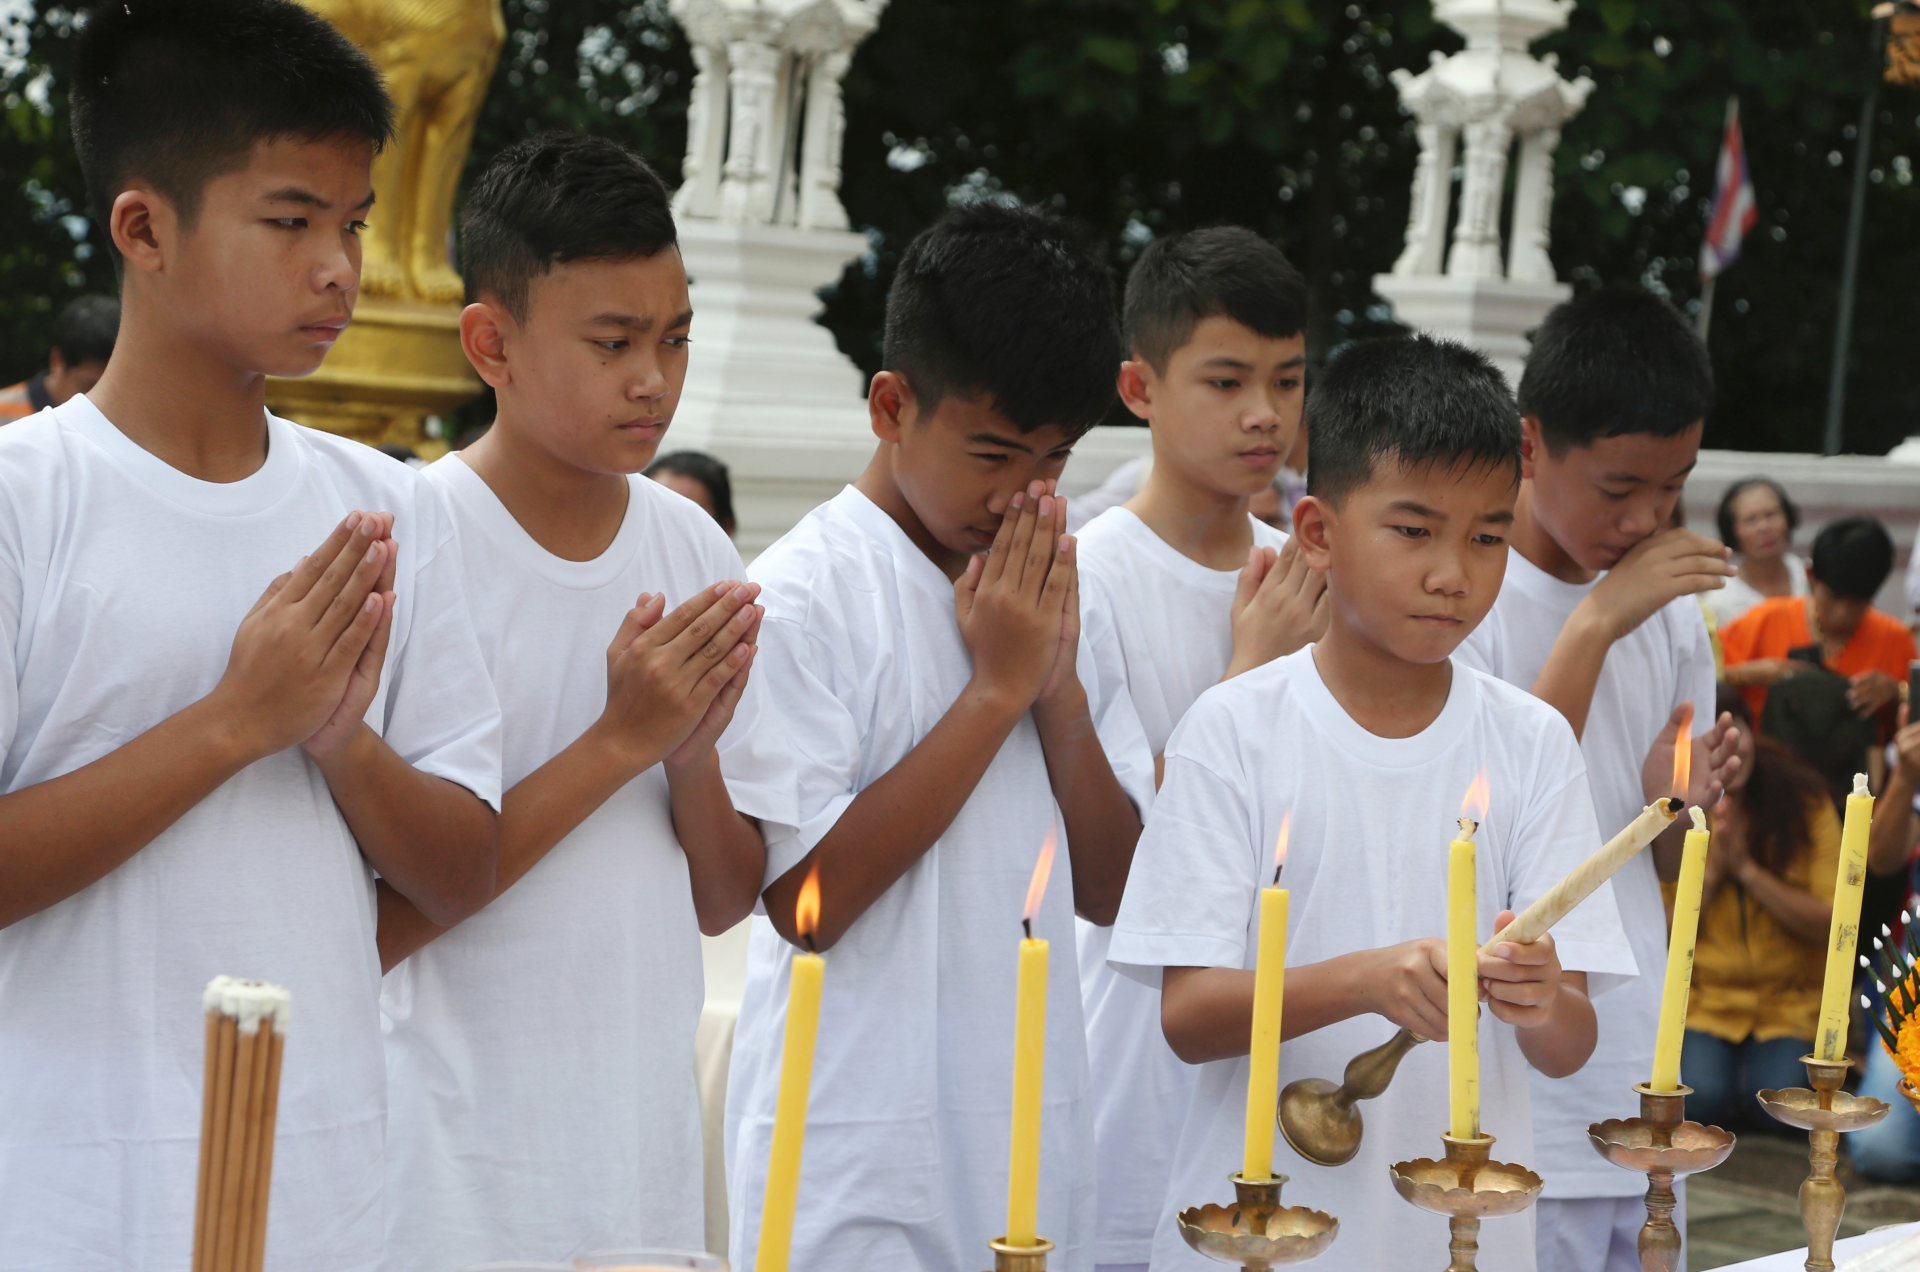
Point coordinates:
[[1527, 259], [826, 124], [1432, 199], [699, 193]]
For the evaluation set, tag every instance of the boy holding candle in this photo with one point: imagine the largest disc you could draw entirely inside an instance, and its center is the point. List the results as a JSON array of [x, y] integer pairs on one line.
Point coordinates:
[[1197, 590], [568, 1006], [1599, 619], [210, 743], [1414, 469], [923, 646]]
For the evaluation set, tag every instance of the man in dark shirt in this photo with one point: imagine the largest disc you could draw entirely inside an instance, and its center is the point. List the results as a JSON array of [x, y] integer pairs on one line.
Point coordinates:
[[82, 343]]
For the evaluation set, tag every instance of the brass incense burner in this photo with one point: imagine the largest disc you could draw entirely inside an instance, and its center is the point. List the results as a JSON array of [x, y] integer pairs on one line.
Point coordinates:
[[1661, 1145], [1013, 1258], [1824, 1112], [1466, 1187], [1257, 1232]]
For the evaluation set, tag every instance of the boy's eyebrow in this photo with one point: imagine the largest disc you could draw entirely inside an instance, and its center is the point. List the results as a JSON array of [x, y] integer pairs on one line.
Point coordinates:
[[1635, 479], [634, 322], [1504, 518], [1416, 509], [994, 439], [295, 194]]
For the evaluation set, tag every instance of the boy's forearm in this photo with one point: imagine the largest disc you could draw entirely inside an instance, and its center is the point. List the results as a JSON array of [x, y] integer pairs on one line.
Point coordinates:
[[1564, 1042], [1206, 1013], [1101, 822], [69, 832], [1572, 670], [892, 823], [433, 841], [726, 855]]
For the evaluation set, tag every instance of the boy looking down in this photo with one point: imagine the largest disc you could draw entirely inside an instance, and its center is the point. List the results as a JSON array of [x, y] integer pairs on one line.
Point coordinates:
[[923, 648], [237, 672], [1599, 619], [1411, 484], [567, 1007], [1196, 590]]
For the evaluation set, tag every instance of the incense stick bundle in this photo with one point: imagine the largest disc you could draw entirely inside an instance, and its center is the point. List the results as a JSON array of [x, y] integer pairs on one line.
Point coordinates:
[[246, 1037]]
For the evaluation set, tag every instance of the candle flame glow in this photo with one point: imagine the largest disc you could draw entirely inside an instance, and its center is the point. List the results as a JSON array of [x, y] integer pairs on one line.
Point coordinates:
[[1683, 755], [1038, 887], [1280, 846], [1474, 805], [806, 910]]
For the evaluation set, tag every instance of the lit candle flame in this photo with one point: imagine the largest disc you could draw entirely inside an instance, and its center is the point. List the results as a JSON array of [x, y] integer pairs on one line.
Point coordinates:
[[1683, 755], [806, 910], [1280, 847], [1038, 887], [1473, 806]]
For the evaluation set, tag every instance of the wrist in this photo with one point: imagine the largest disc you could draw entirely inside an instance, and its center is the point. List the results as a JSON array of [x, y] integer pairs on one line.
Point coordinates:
[[996, 702], [352, 750], [1592, 624], [1067, 701], [616, 749], [681, 769], [225, 732]]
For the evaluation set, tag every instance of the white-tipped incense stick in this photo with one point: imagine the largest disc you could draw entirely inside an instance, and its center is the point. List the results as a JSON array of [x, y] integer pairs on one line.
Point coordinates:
[[246, 1035]]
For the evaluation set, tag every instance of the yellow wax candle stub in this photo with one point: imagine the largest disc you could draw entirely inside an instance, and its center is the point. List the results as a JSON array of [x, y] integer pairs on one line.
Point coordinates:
[[1463, 990], [790, 1113], [1263, 1056], [1843, 936], [1680, 948]]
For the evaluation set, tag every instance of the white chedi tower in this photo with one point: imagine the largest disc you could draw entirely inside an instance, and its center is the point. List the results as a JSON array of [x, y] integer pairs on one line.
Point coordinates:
[[1475, 108], [762, 230]]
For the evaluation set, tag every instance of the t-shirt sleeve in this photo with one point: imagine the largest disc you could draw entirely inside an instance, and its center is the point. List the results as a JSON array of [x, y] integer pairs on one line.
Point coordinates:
[[12, 604], [1190, 894], [1694, 679], [1104, 676], [756, 757], [815, 728], [442, 714]]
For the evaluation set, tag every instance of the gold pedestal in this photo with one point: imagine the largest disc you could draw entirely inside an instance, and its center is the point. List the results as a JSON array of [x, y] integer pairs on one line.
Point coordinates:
[[1013, 1258], [1824, 1112], [397, 363], [1466, 1187], [1257, 1232], [1319, 1119], [1661, 1145]]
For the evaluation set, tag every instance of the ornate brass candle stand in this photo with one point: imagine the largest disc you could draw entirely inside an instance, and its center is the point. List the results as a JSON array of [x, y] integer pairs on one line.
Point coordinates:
[[1257, 1232], [1661, 1145], [1823, 1113], [1013, 1258], [1319, 1119], [1466, 1187]]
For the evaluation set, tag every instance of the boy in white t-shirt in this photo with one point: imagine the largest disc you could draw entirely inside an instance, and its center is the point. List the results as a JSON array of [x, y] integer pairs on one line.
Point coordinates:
[[541, 1054], [203, 765], [1599, 619], [1364, 744], [925, 651], [1196, 590]]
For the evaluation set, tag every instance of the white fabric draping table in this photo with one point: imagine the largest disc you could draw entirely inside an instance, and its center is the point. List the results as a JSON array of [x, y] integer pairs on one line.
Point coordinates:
[[1795, 1260]]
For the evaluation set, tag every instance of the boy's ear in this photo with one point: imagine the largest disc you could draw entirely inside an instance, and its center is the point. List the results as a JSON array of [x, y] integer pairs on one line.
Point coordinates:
[[890, 405], [483, 337], [1312, 525], [1532, 445], [1136, 385], [140, 221]]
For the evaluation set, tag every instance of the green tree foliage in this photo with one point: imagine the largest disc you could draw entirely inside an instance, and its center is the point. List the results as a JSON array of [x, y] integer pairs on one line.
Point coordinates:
[[1140, 116]]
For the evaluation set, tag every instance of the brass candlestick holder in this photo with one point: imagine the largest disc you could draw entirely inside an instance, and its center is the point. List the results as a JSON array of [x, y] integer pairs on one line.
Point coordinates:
[[1824, 1112], [1661, 1145], [1013, 1258], [1319, 1119], [1466, 1187], [1257, 1232]]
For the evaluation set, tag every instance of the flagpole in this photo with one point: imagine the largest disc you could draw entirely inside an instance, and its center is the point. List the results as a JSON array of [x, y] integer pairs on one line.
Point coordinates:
[[1850, 262], [1705, 320]]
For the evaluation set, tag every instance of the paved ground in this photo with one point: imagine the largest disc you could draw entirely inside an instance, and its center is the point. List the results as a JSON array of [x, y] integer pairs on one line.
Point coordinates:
[[1748, 1208]]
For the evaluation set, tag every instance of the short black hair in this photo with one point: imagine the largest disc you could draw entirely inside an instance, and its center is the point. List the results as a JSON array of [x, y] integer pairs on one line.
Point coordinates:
[[1418, 401], [706, 470], [86, 329], [1852, 557], [1612, 362], [1226, 271], [553, 198], [178, 92], [1724, 516], [1008, 303]]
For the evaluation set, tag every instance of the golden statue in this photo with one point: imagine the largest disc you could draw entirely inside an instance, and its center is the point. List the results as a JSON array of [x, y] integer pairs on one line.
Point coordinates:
[[400, 361]]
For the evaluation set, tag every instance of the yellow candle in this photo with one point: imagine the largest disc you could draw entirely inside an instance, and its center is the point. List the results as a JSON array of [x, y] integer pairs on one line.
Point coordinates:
[[1269, 988], [1830, 1043], [1680, 943], [1463, 986], [796, 1076], [1029, 1063]]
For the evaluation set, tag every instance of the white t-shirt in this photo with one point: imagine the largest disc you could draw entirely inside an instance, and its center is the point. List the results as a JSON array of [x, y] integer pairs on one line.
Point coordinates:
[[1120, 485], [907, 1127], [1667, 661], [1365, 872], [541, 1054], [122, 581], [1174, 621], [1739, 596]]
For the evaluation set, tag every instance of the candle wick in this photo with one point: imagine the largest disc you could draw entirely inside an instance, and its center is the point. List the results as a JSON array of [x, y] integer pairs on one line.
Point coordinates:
[[1278, 867], [1468, 827], [1699, 818], [1674, 805], [808, 938], [1026, 925]]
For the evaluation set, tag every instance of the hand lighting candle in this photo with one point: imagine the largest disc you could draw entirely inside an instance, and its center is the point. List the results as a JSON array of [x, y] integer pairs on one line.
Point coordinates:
[[1029, 1058], [796, 1076], [1830, 1041], [1269, 988], [1463, 968]]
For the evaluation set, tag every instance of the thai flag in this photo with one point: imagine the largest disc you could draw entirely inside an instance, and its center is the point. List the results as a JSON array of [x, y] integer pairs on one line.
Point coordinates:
[[1734, 210]]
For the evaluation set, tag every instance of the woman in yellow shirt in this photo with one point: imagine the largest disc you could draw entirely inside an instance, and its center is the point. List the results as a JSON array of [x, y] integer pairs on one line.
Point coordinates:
[[1763, 928]]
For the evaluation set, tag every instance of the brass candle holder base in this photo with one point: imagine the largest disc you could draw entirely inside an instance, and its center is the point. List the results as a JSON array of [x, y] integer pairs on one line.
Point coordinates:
[[1907, 1089], [1319, 1119], [1662, 1145], [1824, 1112], [1466, 1187], [1013, 1258], [1257, 1232]]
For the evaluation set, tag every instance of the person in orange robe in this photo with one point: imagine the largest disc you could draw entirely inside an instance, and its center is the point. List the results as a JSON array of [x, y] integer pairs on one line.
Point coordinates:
[[1851, 558]]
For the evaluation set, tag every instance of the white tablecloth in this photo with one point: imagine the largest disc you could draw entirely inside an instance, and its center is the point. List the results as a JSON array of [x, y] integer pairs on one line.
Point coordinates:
[[1796, 1260]]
